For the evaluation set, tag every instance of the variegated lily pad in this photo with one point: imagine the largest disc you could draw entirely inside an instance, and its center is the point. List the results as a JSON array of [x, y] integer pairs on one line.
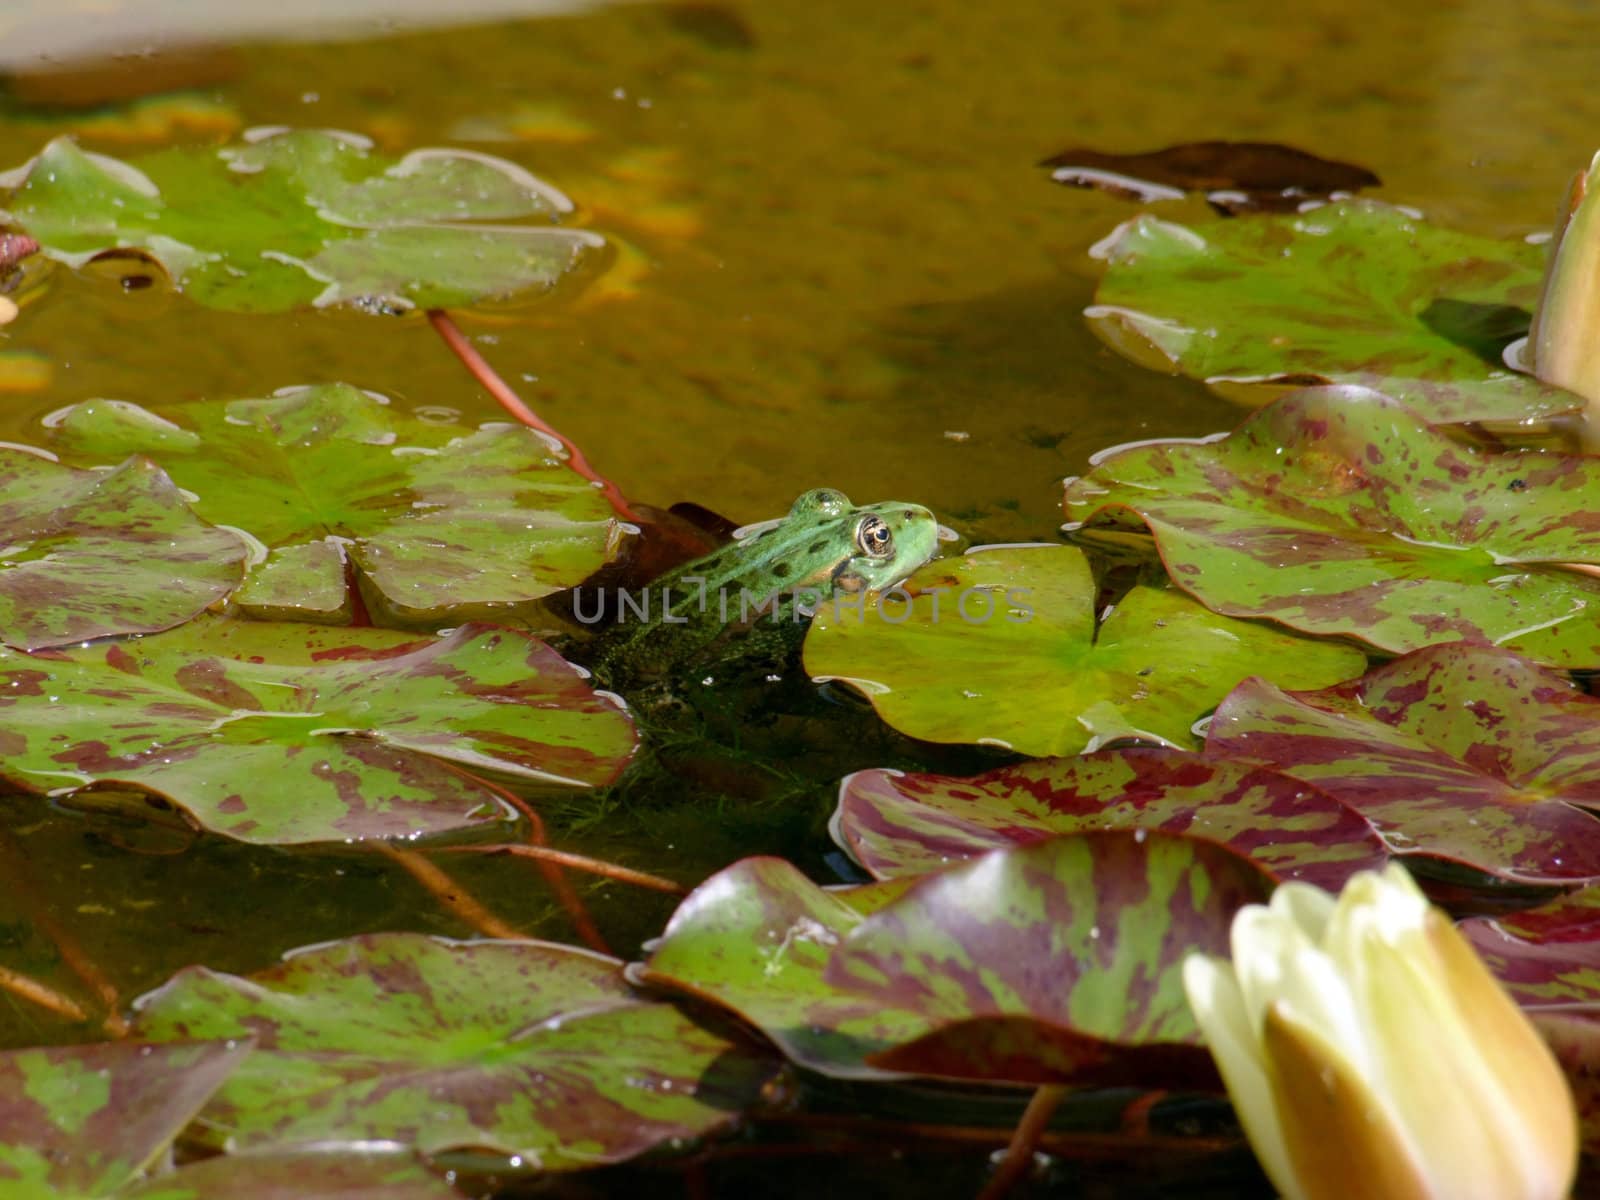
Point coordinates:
[[324, 1175], [1460, 752], [441, 522], [88, 554], [1055, 961], [81, 1122], [1001, 646], [1353, 292], [528, 1049], [282, 733], [1337, 511], [896, 824], [290, 218], [1548, 957]]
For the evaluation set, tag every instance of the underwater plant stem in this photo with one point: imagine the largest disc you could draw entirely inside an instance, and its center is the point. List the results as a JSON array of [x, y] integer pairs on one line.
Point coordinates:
[[14, 866], [448, 892], [486, 375], [578, 862], [38, 993], [554, 877], [1018, 1156]]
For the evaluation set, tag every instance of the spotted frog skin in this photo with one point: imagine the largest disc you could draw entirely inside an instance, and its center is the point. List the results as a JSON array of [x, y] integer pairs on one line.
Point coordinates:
[[752, 598]]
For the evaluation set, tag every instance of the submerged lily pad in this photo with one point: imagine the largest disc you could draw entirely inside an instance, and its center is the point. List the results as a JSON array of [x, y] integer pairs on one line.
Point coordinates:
[[1001, 646], [1336, 511], [522, 1048], [896, 824], [1460, 752], [80, 1122], [1050, 962], [441, 522], [281, 733], [1354, 292], [314, 1175], [288, 218], [89, 554]]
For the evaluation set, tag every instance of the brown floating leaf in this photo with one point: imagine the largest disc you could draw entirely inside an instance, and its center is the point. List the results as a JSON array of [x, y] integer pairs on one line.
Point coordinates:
[[1235, 176]]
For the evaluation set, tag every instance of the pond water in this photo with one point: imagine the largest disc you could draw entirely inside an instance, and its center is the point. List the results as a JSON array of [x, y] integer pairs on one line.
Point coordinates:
[[838, 264]]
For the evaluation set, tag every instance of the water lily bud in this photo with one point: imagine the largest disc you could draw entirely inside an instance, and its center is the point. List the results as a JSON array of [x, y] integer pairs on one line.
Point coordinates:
[[1564, 343], [1369, 1052]]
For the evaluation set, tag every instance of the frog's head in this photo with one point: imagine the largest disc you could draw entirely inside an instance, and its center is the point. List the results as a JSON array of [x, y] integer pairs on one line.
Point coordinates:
[[876, 545]]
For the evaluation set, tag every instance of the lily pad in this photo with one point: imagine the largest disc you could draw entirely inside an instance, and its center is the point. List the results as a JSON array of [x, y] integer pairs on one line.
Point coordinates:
[[1353, 292], [283, 733], [1001, 646], [527, 1049], [897, 824], [1057, 961], [1234, 176], [441, 522], [289, 218], [89, 554], [1548, 957], [80, 1122], [1336, 511], [310, 1176], [1460, 752]]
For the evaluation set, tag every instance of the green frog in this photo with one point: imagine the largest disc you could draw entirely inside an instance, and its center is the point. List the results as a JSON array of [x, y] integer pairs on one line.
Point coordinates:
[[750, 600]]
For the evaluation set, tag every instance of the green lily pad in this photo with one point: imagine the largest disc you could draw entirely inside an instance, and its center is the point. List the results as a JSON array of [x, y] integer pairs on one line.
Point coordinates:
[[80, 1122], [310, 1176], [89, 554], [522, 1048], [440, 522], [1001, 646], [1459, 752], [1057, 961], [289, 218], [282, 733], [1354, 292], [896, 824], [1336, 511]]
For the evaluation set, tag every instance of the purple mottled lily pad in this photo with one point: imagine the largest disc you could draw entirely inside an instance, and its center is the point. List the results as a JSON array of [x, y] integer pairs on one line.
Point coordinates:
[[527, 1049], [312, 218], [1547, 957], [82, 1121], [1460, 752], [327, 1175], [1354, 292], [1002, 646], [440, 522], [1337, 512], [284, 733], [1049, 962], [90, 554], [897, 824]]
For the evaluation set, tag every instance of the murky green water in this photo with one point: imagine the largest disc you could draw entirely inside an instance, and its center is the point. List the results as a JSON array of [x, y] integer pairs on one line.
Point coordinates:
[[840, 265]]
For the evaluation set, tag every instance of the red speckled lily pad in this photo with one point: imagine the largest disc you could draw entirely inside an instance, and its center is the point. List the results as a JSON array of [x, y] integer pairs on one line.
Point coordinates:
[[299, 733], [80, 1122], [326, 1175], [1336, 511], [441, 522], [1353, 292], [1459, 752], [522, 1048], [1055, 961], [897, 824], [88, 554]]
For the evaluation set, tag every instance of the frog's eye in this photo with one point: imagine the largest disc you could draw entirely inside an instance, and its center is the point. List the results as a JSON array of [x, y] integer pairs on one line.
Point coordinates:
[[873, 537]]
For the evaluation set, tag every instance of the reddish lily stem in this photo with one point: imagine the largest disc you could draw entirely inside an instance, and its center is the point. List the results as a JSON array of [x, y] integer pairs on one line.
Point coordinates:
[[448, 892], [1018, 1156], [497, 387], [554, 877], [46, 997], [579, 862]]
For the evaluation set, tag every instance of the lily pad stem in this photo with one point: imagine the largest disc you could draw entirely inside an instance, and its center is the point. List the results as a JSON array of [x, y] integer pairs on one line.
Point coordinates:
[[578, 862], [447, 891], [1018, 1156], [486, 375], [46, 997]]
